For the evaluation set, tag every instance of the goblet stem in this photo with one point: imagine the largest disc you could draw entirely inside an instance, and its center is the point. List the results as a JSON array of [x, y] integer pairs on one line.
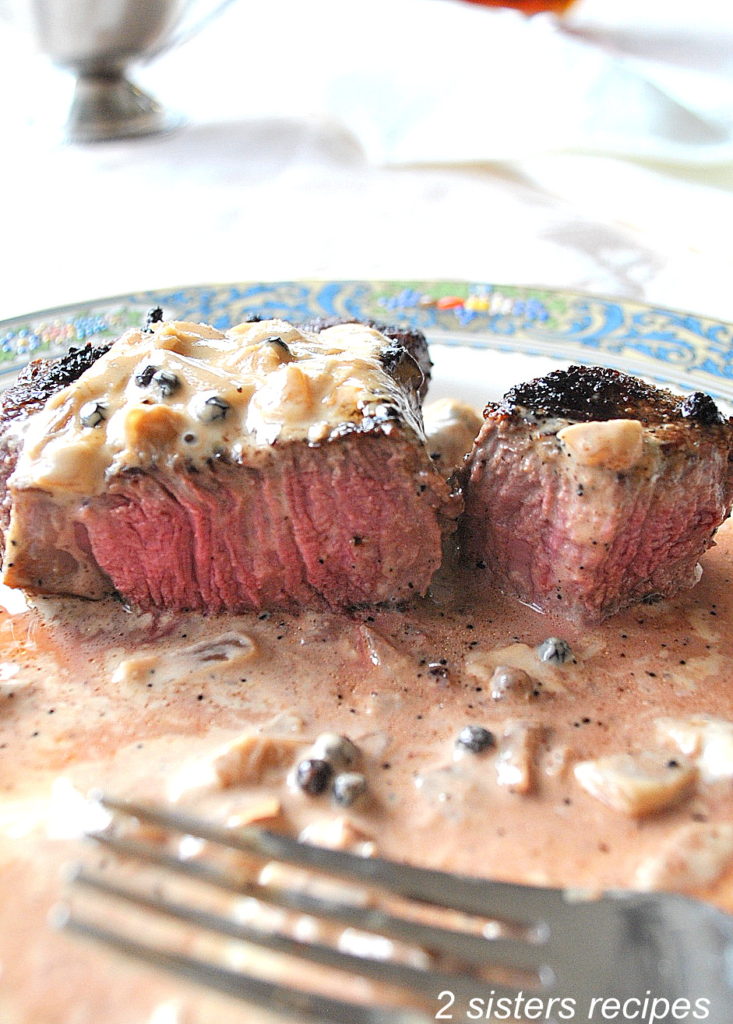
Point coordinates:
[[107, 105]]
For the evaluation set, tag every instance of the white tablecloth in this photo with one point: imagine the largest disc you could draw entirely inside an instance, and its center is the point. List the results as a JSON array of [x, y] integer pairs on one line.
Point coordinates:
[[397, 139]]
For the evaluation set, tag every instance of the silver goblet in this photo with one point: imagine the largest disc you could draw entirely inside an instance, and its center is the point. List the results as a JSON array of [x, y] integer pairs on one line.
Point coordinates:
[[97, 40]]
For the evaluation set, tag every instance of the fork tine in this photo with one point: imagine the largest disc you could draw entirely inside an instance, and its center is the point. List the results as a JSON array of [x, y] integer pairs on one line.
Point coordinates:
[[302, 1006], [476, 948], [521, 905], [427, 984]]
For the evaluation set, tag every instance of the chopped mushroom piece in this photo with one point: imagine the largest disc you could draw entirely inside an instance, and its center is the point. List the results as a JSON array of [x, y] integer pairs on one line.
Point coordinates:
[[250, 757], [557, 760], [693, 857], [197, 663], [612, 444], [707, 740], [637, 784], [515, 762], [266, 811]]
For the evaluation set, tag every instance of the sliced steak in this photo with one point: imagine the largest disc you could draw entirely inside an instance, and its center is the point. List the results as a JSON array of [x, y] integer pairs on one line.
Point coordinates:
[[588, 490], [188, 469]]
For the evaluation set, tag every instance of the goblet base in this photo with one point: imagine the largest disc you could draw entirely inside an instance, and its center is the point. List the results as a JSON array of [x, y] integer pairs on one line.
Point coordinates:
[[109, 106]]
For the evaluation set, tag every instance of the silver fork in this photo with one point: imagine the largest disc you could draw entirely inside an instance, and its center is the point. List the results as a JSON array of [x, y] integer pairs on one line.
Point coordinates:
[[654, 958]]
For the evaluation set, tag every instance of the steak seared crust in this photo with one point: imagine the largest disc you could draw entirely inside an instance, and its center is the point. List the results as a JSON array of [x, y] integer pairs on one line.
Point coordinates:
[[42, 378], [588, 393], [355, 519], [588, 490]]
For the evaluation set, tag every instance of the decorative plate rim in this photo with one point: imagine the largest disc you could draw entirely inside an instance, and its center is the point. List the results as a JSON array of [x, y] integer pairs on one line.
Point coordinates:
[[575, 293], [677, 348]]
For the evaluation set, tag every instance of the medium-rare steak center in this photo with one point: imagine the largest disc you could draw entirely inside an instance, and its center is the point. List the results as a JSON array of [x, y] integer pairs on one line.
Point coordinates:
[[193, 469], [589, 490]]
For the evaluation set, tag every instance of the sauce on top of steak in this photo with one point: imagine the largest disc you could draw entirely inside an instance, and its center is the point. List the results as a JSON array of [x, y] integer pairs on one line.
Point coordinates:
[[187, 392]]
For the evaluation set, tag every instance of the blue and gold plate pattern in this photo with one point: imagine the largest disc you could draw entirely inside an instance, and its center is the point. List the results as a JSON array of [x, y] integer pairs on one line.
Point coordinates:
[[679, 349]]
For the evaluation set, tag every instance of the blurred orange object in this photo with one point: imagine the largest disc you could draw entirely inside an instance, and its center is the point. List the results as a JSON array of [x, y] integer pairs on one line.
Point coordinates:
[[528, 6]]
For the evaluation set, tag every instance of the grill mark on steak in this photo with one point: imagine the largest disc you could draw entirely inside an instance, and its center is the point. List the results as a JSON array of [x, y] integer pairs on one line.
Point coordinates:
[[588, 393]]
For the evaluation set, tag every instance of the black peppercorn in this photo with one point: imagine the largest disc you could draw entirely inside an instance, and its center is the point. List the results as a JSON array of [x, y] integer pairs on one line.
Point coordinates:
[[348, 788], [313, 775], [439, 669], [338, 750], [143, 378], [92, 414], [155, 316], [166, 382], [475, 738], [210, 408], [554, 650], [702, 408]]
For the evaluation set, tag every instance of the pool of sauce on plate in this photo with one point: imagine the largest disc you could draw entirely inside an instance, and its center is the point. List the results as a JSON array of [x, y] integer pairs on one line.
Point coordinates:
[[93, 696]]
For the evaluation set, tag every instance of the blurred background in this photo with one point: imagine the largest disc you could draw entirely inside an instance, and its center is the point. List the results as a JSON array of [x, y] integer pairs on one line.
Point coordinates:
[[392, 139]]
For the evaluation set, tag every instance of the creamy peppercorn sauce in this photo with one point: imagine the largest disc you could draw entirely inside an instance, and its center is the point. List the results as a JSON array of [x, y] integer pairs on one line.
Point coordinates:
[[490, 739], [186, 391]]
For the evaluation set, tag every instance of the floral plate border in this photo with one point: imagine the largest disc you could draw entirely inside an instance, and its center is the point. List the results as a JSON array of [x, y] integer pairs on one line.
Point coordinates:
[[681, 349]]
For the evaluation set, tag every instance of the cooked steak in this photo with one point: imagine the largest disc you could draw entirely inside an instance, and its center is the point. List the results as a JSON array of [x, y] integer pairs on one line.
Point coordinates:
[[187, 468], [588, 490]]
